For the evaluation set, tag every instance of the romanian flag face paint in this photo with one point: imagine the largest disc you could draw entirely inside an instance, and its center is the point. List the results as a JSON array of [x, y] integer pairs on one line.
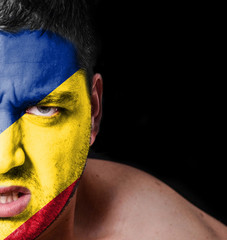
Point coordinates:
[[45, 117]]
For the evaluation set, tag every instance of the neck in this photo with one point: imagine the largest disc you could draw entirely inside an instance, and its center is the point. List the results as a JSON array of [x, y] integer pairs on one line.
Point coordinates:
[[64, 226]]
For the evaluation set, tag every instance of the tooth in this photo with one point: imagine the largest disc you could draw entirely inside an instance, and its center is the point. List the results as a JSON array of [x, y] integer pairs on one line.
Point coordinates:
[[3, 199], [15, 196], [9, 199]]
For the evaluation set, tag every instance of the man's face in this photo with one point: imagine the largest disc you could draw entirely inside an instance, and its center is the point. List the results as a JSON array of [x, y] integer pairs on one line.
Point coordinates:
[[45, 117]]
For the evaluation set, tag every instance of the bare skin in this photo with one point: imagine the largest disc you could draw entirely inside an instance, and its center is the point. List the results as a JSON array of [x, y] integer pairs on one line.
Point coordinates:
[[118, 202]]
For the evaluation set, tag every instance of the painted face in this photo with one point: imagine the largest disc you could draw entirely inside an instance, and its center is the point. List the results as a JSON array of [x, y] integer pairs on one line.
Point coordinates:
[[45, 117]]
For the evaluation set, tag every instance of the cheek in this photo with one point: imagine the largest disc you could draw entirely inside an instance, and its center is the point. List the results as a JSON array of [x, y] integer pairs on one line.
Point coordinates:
[[58, 153]]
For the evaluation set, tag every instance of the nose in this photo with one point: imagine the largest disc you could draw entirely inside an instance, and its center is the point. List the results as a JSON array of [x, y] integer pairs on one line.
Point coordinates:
[[11, 152]]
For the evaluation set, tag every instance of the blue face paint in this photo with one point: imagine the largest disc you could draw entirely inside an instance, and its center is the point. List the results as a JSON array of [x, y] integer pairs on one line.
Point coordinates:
[[32, 65]]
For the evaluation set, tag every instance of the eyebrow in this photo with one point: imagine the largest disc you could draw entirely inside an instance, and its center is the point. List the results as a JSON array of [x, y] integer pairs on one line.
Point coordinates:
[[59, 97]]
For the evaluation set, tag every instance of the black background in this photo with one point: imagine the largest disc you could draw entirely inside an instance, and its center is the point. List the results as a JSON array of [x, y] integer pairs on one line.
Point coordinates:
[[161, 107]]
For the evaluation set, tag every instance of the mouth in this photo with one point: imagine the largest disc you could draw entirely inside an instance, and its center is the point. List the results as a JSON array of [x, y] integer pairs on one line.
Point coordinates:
[[13, 200]]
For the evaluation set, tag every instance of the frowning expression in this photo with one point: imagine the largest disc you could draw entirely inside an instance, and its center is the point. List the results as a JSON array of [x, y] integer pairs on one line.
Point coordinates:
[[45, 117]]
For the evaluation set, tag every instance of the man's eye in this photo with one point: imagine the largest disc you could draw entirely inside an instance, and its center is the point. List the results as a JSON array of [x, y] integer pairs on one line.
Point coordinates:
[[42, 111]]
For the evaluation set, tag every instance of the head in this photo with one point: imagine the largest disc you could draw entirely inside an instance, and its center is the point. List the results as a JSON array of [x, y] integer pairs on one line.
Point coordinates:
[[69, 19], [50, 108]]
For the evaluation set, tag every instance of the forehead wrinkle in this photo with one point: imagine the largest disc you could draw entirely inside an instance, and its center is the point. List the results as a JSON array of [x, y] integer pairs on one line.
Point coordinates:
[[30, 46]]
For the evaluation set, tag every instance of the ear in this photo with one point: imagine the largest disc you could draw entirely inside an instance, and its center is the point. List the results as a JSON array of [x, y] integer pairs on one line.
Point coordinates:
[[96, 105]]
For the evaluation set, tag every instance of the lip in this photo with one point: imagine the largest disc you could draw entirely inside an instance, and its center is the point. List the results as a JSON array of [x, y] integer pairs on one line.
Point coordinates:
[[16, 207]]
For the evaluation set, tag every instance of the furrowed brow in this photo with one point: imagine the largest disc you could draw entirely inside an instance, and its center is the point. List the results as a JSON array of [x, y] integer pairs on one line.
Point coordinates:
[[59, 97]]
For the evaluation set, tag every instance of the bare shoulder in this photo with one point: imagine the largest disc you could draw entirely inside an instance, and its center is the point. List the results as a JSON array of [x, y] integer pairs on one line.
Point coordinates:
[[126, 203]]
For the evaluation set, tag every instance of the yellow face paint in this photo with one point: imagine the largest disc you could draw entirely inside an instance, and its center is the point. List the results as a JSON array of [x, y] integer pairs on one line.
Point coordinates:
[[49, 148]]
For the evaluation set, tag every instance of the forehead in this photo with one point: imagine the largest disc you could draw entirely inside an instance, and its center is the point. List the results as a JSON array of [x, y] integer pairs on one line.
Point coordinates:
[[40, 53], [32, 64], [36, 47]]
